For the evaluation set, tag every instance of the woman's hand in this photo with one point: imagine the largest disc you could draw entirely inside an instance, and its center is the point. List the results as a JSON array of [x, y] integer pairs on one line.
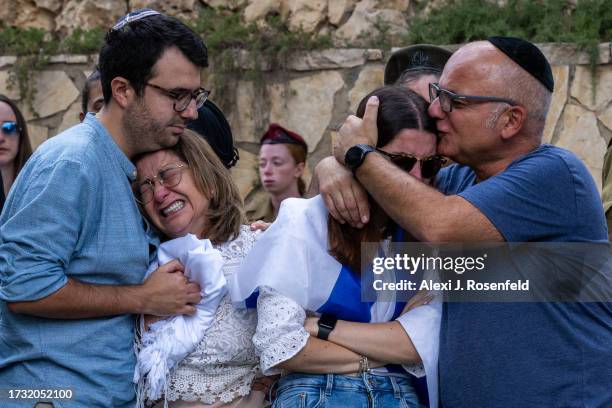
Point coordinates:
[[260, 225], [264, 384], [311, 325], [423, 297]]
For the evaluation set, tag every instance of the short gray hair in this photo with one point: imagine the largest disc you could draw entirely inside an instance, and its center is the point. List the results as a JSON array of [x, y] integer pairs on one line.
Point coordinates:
[[527, 91]]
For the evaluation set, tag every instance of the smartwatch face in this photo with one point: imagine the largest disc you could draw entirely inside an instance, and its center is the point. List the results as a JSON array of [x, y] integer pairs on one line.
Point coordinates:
[[353, 155]]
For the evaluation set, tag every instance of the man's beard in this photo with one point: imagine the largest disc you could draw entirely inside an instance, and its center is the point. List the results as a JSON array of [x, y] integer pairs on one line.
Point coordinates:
[[142, 132]]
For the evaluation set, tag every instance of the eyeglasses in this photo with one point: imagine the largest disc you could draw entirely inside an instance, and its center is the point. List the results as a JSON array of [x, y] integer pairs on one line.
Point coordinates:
[[430, 166], [10, 128], [168, 177], [448, 98], [182, 99]]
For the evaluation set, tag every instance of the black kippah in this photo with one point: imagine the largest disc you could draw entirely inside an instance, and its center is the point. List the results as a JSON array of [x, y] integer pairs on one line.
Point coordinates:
[[415, 58], [212, 125], [528, 56]]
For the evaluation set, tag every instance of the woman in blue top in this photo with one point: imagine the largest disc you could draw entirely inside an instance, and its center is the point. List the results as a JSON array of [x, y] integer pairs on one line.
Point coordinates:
[[307, 263]]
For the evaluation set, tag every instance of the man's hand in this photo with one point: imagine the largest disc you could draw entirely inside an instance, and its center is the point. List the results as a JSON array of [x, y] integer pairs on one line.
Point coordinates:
[[345, 198], [358, 131], [167, 292]]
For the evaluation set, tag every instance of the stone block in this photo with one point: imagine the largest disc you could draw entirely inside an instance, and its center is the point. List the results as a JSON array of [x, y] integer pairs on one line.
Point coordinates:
[[10, 91], [242, 118], [52, 5], [6, 61], [581, 88], [606, 118], [69, 59], [337, 9], [363, 24], [54, 93], [571, 54], [38, 135], [559, 99], [370, 78], [70, 117], [226, 4], [246, 173], [373, 54], [259, 9], [26, 14], [328, 59], [87, 14], [306, 15], [305, 105], [580, 134]]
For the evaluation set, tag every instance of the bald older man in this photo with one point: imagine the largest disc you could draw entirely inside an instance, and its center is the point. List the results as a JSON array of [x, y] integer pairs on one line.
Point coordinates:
[[490, 104]]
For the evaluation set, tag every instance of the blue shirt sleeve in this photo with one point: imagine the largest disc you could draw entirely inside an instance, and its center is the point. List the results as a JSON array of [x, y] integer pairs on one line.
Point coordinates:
[[541, 197], [40, 228]]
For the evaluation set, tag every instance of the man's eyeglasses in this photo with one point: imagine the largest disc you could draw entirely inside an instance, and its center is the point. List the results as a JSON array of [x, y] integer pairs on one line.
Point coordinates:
[[168, 177], [430, 166], [448, 98], [182, 99], [10, 128]]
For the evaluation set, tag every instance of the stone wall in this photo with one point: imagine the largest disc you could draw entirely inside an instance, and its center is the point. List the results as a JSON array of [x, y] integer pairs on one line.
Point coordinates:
[[345, 20], [316, 93]]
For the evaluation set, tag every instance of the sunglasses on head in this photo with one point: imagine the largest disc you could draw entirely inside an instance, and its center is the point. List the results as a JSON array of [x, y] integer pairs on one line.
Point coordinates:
[[10, 128], [430, 165]]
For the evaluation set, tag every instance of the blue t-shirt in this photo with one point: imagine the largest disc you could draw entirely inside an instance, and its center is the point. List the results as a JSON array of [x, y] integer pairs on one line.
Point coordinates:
[[71, 213], [546, 354]]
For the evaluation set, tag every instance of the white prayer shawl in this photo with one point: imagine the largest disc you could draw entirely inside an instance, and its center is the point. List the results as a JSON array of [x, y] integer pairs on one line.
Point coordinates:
[[292, 257], [169, 341]]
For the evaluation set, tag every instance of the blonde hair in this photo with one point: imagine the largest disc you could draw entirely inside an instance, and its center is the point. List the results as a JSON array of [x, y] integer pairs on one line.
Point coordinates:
[[225, 209]]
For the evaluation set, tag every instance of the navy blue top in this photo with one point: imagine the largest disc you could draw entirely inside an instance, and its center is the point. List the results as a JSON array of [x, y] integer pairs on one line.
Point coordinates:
[[546, 354]]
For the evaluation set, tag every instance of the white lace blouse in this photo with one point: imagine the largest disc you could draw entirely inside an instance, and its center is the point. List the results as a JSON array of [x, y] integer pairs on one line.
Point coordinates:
[[224, 364]]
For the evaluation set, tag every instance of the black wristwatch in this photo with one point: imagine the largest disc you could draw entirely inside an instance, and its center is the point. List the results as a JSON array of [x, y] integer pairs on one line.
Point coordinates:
[[355, 156], [326, 324]]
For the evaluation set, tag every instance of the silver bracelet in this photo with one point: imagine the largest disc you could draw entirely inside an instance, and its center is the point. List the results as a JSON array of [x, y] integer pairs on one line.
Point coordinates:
[[364, 366]]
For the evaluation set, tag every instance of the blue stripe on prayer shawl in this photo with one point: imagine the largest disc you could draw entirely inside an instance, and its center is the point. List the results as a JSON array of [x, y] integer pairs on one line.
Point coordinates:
[[399, 306], [251, 301], [344, 301], [399, 235]]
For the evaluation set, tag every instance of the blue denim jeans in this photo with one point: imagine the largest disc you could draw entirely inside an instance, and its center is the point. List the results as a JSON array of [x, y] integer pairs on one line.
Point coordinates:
[[341, 391]]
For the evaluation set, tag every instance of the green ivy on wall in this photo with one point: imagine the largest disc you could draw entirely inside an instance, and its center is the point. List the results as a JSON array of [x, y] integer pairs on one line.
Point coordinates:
[[585, 23], [33, 48]]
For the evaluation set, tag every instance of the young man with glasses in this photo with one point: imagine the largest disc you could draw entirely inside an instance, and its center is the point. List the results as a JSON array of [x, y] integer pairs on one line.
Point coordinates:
[[490, 105], [73, 246]]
